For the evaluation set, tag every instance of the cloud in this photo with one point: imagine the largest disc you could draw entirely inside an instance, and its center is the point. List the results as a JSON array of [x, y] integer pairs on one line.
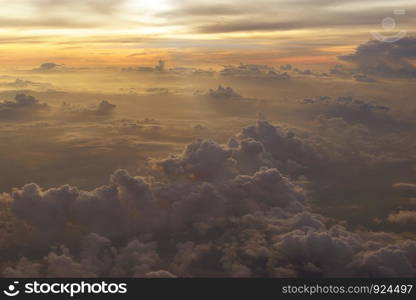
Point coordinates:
[[385, 59], [49, 67], [158, 91], [137, 259], [214, 210], [405, 189], [97, 257], [311, 249], [23, 106], [202, 159], [187, 8], [248, 25], [222, 17], [253, 71], [160, 67], [403, 216], [61, 14], [283, 145], [367, 112], [226, 93], [52, 210], [308, 72], [159, 274], [41, 22], [103, 108], [105, 7], [338, 70], [389, 261], [363, 78]]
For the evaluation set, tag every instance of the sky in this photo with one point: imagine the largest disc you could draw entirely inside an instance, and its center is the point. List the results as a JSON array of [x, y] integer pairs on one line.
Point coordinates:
[[199, 32], [207, 138]]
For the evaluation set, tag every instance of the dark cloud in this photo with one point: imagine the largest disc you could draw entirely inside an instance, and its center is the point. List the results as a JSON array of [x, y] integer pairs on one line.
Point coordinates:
[[253, 71], [308, 72], [202, 159], [402, 216], [97, 257], [160, 67], [23, 106], [367, 112], [257, 71], [103, 108], [49, 67], [213, 210], [51, 210], [385, 59], [222, 93], [284, 145]]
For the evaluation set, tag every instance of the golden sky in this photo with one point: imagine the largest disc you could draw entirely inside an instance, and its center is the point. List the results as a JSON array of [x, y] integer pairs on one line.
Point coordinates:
[[198, 32]]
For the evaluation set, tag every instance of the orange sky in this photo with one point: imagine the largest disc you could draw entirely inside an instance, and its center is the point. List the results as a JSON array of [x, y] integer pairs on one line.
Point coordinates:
[[190, 33]]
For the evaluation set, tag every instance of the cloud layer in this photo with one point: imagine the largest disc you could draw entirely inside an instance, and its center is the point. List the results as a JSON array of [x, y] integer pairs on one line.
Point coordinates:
[[213, 210]]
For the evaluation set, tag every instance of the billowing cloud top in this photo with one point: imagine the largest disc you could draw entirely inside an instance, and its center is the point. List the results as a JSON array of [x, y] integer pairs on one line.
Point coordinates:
[[214, 210], [386, 59]]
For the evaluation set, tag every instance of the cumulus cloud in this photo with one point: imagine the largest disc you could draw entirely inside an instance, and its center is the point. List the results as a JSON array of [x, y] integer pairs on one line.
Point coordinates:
[[284, 145], [48, 67], [160, 67], [214, 210], [261, 145], [53, 210], [22, 106], [201, 159], [21, 83], [103, 108], [226, 93], [253, 71], [389, 261], [97, 257], [402, 216], [368, 112], [385, 59], [266, 72], [309, 72]]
